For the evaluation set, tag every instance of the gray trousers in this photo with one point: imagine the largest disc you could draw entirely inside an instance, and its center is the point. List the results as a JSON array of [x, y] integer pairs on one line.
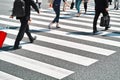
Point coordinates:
[[116, 4]]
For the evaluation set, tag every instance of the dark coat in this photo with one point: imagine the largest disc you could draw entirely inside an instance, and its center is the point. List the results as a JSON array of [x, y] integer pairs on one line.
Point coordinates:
[[57, 2], [101, 4], [28, 4], [109, 0]]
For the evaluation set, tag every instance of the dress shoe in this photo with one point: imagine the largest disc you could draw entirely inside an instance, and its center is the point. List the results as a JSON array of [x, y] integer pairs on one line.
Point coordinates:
[[57, 27], [17, 47], [96, 32], [33, 39], [106, 28]]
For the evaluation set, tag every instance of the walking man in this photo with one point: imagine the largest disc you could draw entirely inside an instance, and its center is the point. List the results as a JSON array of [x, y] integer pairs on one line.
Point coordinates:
[[24, 28], [101, 6]]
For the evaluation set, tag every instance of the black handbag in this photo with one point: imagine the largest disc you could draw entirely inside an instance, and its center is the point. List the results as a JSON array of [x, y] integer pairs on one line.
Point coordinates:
[[72, 4], [105, 20]]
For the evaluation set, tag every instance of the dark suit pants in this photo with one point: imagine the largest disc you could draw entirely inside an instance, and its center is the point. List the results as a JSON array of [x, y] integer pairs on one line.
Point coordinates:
[[97, 13], [23, 29]]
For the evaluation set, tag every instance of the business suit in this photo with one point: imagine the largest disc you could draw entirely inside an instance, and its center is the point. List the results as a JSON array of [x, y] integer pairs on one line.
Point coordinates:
[[100, 7], [24, 28]]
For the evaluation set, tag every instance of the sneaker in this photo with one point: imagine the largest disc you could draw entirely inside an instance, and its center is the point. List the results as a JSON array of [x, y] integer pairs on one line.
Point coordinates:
[[78, 15]]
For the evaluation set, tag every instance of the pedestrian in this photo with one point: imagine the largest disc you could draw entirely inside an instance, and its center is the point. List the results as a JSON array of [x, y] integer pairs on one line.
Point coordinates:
[[77, 5], [65, 4], [56, 7], [101, 6], [39, 2], [116, 4], [85, 5], [24, 28]]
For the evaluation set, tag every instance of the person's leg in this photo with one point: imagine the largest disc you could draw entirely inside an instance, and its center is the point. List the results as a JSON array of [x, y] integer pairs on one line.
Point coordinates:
[[64, 7], [39, 4], [21, 32], [117, 5], [29, 34], [114, 4], [78, 7], [85, 6], [97, 13], [57, 12]]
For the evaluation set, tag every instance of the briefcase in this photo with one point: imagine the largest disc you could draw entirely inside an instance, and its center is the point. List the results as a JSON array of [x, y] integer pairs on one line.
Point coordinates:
[[2, 37], [72, 5], [105, 20]]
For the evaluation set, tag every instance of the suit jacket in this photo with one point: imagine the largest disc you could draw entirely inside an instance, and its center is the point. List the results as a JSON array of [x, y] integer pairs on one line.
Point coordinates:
[[101, 4], [28, 4]]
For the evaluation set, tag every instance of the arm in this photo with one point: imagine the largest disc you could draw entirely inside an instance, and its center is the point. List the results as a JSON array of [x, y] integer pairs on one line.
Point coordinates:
[[33, 4], [51, 3]]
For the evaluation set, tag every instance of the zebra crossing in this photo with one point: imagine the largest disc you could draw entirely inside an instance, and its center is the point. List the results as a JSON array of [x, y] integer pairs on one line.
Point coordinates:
[[5, 76], [40, 23]]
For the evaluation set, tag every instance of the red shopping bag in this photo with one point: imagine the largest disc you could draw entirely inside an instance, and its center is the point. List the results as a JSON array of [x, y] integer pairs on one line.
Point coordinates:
[[2, 37]]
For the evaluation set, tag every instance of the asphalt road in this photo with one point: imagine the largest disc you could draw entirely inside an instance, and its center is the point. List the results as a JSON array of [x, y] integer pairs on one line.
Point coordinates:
[[106, 68]]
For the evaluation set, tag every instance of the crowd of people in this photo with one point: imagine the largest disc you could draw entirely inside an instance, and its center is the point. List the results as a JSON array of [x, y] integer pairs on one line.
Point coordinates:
[[101, 6]]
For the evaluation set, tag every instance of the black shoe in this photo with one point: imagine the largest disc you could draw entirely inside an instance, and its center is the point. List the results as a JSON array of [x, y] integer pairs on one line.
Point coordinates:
[[57, 27], [33, 39], [96, 32], [17, 47], [106, 28], [116, 8]]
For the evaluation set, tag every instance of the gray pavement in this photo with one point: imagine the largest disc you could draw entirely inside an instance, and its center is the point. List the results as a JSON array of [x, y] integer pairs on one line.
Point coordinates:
[[73, 36]]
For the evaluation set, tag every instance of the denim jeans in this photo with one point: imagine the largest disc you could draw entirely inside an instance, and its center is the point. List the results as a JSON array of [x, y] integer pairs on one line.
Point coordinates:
[[77, 5]]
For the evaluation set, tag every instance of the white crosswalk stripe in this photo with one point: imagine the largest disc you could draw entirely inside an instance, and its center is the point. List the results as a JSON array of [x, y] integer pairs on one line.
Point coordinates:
[[44, 19], [6, 76]]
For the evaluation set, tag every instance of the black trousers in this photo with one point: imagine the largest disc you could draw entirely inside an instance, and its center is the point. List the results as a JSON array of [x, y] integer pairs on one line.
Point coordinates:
[[56, 8], [97, 13], [24, 28], [85, 6]]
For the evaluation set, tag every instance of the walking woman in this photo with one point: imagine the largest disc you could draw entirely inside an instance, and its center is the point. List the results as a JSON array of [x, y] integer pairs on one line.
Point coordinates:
[[65, 4], [56, 7], [77, 5]]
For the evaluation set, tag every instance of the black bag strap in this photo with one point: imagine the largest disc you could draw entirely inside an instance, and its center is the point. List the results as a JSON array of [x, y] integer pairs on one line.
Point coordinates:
[[72, 0]]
